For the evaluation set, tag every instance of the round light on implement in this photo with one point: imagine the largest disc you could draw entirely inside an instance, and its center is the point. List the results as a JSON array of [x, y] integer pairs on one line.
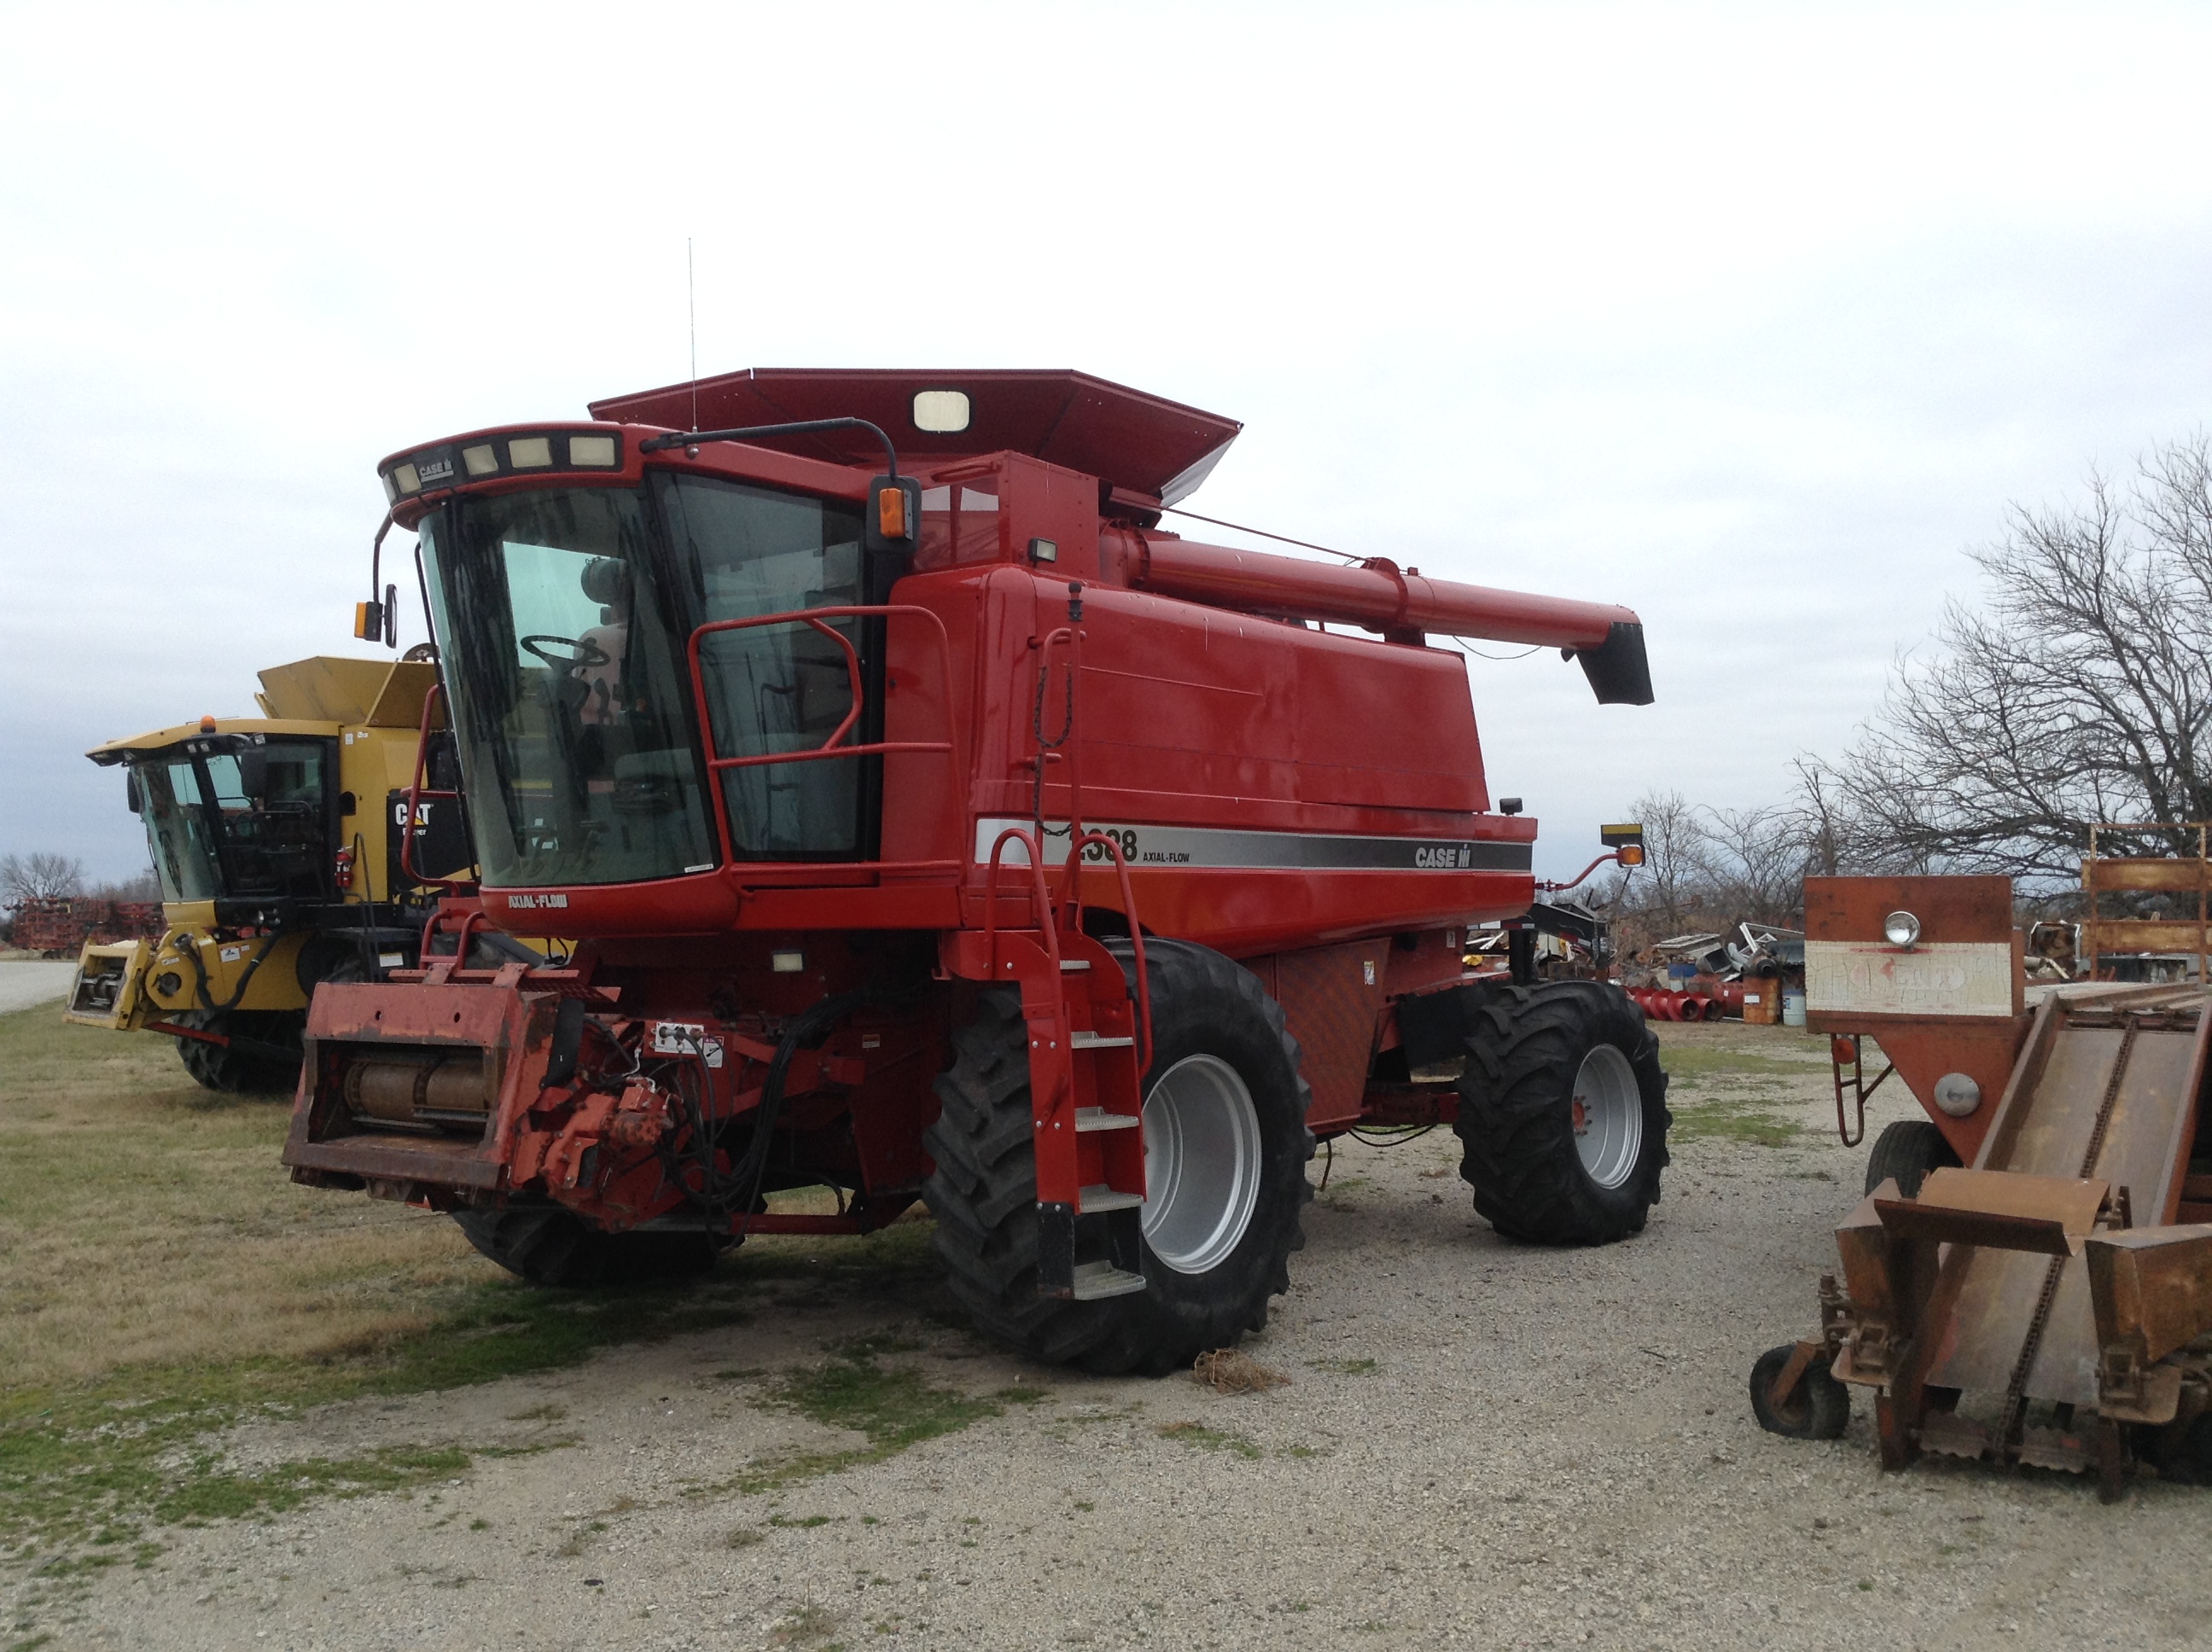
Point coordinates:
[[1902, 928], [1957, 1094]]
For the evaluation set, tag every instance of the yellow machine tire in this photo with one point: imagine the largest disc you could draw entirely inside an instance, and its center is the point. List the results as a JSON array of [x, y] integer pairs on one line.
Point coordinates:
[[231, 1070]]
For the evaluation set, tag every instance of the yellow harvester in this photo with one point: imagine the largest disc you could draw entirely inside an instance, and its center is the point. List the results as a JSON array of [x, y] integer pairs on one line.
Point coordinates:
[[277, 841]]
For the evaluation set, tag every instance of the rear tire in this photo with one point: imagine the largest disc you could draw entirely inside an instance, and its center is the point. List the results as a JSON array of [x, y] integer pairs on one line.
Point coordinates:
[[230, 1071], [1563, 1114], [548, 1246], [1908, 1149], [1818, 1409], [1221, 1055]]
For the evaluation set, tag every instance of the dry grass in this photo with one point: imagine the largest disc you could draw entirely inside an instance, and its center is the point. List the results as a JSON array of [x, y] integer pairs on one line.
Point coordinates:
[[1226, 1370], [145, 1221]]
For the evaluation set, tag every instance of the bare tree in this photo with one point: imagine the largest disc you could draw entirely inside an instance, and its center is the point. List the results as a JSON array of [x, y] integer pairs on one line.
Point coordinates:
[[1674, 857], [2082, 692], [1753, 864], [139, 886], [39, 878], [1825, 819]]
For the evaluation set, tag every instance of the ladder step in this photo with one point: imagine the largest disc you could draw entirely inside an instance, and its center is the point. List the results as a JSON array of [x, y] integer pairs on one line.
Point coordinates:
[[1095, 1279], [1097, 1118], [1100, 1196], [1085, 1040], [1071, 966]]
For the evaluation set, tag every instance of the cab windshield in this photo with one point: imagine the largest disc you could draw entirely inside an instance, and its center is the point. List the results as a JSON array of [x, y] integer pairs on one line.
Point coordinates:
[[248, 820], [562, 615]]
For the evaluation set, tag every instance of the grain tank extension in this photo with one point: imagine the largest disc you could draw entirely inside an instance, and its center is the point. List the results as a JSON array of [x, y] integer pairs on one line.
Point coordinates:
[[933, 824]]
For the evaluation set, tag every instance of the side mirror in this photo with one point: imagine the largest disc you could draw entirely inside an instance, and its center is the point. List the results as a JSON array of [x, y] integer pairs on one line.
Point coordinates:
[[1626, 841], [131, 790], [379, 622], [253, 771]]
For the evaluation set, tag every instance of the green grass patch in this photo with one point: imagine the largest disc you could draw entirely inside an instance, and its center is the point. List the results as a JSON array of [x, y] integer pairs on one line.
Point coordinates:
[[1694, 1063], [1208, 1439], [1731, 1118], [95, 1465], [167, 1282], [1342, 1367], [892, 1408]]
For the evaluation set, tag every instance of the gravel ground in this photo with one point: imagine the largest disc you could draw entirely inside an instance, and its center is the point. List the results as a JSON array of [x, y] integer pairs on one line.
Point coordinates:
[[24, 982], [1482, 1445]]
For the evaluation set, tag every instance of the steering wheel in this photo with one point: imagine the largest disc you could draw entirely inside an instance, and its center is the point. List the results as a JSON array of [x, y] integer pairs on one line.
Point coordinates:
[[581, 653]]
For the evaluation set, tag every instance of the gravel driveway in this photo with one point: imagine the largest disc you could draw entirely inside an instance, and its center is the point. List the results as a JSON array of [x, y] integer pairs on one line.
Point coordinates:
[[1482, 1445], [24, 982]]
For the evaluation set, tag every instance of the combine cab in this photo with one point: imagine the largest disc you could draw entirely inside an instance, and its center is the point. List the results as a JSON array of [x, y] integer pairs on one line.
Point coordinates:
[[279, 841], [937, 827]]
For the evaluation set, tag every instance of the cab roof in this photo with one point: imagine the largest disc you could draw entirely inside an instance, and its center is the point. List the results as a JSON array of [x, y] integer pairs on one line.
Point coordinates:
[[1145, 444]]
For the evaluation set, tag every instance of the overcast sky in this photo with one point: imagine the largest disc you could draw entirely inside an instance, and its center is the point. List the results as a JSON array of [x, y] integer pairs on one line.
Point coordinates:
[[1751, 319]]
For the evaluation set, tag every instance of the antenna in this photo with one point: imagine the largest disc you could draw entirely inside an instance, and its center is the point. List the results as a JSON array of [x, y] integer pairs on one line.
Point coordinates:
[[691, 297]]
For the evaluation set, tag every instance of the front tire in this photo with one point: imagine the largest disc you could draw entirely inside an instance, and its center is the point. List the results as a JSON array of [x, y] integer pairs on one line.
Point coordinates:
[[1563, 1114], [231, 1070], [548, 1246], [1227, 1147]]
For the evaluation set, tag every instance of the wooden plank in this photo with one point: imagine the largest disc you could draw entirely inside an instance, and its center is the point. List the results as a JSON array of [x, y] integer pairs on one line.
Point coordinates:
[[2144, 935], [2100, 876]]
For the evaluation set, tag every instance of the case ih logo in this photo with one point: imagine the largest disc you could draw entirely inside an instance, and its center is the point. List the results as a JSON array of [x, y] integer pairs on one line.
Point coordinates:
[[1444, 857], [435, 469]]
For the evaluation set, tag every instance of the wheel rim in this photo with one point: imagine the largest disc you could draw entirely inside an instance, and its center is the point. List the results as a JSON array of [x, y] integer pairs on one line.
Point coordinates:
[[1201, 1164], [1609, 1114]]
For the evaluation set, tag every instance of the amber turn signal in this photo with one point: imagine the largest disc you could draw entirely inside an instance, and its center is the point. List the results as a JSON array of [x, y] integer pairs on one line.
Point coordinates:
[[890, 513], [1631, 854]]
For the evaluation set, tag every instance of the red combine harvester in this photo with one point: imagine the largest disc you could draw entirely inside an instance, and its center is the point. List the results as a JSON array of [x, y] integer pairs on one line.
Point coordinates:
[[930, 824]]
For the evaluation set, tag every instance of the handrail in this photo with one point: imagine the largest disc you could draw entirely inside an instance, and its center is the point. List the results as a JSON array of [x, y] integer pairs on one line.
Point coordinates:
[[1040, 899], [815, 619], [415, 793], [470, 919], [1074, 878]]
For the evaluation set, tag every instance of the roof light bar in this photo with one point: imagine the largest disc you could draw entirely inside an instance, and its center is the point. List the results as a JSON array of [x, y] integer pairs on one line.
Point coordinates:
[[530, 452]]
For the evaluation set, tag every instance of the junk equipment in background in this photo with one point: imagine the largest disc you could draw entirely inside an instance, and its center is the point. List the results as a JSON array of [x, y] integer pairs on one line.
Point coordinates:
[[2029, 1277]]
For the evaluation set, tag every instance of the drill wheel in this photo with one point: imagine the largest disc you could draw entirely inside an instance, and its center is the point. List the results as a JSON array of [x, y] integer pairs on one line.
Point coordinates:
[[1220, 1049], [1563, 1114], [1817, 1408]]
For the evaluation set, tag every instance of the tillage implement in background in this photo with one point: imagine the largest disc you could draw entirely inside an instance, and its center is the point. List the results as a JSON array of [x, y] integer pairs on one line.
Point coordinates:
[[932, 824], [285, 859], [2051, 1304]]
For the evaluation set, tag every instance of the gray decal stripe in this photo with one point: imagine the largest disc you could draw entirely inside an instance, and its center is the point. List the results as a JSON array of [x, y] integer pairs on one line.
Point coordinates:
[[1207, 846]]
